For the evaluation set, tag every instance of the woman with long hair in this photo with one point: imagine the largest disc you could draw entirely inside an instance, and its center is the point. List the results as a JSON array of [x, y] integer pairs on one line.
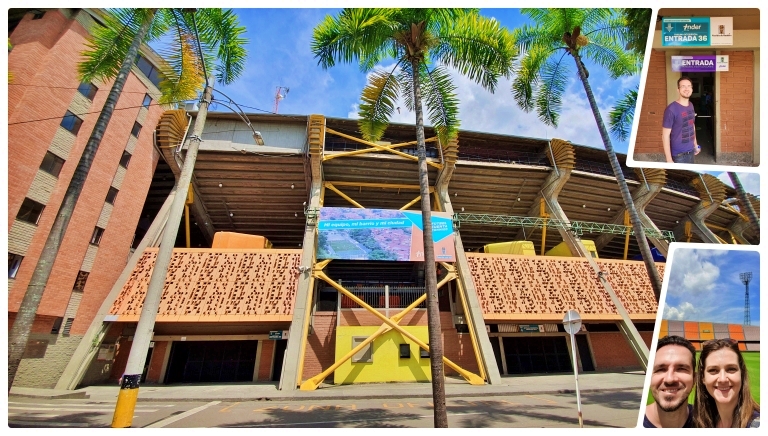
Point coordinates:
[[723, 397]]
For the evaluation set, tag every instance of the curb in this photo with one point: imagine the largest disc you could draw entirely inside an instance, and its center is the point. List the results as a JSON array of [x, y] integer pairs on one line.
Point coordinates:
[[328, 397]]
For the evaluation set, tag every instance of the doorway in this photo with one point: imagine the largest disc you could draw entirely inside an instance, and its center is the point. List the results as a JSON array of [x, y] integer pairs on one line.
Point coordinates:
[[211, 362], [704, 103]]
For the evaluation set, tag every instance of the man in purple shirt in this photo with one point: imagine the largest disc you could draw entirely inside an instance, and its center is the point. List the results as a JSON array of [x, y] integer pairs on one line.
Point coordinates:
[[678, 135]]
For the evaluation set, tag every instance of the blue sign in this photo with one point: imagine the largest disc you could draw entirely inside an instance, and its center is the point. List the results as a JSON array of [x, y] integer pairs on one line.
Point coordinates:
[[685, 32]]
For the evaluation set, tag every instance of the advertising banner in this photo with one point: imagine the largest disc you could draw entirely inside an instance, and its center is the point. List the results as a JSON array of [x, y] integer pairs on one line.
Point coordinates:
[[685, 32], [700, 63], [696, 31], [381, 234]]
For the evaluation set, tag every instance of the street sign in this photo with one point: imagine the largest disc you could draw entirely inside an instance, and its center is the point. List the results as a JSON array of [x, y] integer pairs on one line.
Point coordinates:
[[276, 335], [531, 328], [572, 322]]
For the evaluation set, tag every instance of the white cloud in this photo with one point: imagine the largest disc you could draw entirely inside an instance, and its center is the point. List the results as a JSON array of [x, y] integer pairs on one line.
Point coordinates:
[[685, 311], [692, 273]]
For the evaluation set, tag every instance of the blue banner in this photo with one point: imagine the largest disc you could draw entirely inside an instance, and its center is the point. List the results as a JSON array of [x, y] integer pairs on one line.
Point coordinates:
[[685, 32]]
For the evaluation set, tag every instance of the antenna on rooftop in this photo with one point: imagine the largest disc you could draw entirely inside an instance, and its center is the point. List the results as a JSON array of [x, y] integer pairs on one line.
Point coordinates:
[[746, 277], [279, 96]]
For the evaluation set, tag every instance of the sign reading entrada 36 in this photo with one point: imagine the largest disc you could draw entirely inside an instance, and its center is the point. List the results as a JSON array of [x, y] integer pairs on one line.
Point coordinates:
[[696, 31]]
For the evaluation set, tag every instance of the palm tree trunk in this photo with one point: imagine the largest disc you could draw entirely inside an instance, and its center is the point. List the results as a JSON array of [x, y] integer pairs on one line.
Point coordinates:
[[146, 325], [745, 203], [642, 242], [430, 273], [22, 324]]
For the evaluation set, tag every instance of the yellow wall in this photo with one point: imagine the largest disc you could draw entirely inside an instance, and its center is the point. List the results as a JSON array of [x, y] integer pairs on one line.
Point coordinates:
[[387, 366]]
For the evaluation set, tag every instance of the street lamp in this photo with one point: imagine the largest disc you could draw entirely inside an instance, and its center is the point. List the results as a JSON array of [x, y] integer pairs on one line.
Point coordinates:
[[256, 134]]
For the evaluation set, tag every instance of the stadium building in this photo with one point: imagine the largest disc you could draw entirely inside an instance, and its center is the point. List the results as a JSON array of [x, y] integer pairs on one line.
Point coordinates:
[[262, 305]]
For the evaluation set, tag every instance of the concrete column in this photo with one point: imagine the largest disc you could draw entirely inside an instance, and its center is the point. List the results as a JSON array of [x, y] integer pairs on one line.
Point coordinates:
[[294, 353], [738, 228], [642, 196], [712, 193]]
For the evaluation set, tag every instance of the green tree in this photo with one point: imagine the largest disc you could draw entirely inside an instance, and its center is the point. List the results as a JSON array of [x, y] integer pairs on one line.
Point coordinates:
[[424, 43], [637, 22], [197, 41], [597, 35]]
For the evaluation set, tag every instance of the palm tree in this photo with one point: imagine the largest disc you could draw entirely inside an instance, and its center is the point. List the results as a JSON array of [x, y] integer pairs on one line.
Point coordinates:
[[423, 44], [110, 54], [594, 34], [637, 22], [741, 194]]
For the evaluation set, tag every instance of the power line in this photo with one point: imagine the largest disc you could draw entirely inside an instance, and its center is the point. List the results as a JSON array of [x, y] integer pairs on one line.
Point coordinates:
[[93, 112]]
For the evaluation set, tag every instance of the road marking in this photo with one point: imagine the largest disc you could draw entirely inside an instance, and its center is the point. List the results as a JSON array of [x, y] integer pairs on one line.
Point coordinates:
[[172, 419], [36, 415], [84, 405], [394, 418], [229, 407], [70, 409]]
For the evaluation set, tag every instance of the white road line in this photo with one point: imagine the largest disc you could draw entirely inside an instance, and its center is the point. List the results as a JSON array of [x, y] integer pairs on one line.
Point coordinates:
[[84, 405], [33, 416], [172, 419], [394, 418], [70, 409]]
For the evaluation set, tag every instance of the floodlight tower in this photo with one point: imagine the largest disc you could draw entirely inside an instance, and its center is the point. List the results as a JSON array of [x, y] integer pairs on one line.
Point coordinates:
[[746, 277]]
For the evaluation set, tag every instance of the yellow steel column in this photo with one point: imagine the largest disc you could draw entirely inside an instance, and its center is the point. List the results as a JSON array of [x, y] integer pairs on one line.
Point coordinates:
[[190, 200], [626, 238], [543, 213]]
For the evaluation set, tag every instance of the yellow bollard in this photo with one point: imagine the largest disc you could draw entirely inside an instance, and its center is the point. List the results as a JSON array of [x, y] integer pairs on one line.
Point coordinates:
[[126, 401]]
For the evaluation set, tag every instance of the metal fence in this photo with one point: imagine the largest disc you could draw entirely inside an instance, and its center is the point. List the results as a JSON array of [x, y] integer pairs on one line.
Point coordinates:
[[376, 297]]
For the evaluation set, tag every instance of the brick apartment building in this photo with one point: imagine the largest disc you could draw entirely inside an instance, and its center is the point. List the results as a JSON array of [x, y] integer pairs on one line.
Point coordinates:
[[728, 130], [50, 117]]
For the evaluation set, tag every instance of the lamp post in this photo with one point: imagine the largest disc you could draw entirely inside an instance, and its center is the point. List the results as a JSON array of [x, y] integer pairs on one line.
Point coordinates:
[[129, 383]]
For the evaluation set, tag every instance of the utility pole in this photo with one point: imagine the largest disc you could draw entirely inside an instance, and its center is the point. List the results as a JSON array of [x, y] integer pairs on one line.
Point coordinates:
[[746, 277], [129, 384]]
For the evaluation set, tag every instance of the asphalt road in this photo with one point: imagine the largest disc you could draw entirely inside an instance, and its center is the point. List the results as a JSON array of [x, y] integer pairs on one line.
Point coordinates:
[[609, 409]]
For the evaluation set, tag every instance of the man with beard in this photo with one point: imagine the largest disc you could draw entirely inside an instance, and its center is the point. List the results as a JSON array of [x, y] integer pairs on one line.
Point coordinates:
[[671, 383], [678, 133]]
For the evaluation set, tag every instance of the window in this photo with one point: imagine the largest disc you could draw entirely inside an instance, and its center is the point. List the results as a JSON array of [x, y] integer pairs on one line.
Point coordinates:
[[125, 159], [71, 122], [424, 354], [111, 195], [136, 130], [82, 277], [405, 351], [56, 326], [14, 262], [30, 211], [88, 90], [149, 70], [52, 164], [97, 234], [366, 354], [147, 101]]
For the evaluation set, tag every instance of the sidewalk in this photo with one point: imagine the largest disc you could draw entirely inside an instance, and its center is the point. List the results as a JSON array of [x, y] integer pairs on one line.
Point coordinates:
[[454, 387]]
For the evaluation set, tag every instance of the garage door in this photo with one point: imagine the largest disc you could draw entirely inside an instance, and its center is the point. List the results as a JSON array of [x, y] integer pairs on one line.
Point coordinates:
[[525, 355], [211, 361]]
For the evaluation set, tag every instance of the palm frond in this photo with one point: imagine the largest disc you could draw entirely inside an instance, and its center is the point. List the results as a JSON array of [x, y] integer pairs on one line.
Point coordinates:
[[405, 77], [378, 102], [221, 36], [528, 76], [609, 54], [478, 48], [549, 96], [357, 33], [184, 78], [108, 45], [439, 94], [622, 114]]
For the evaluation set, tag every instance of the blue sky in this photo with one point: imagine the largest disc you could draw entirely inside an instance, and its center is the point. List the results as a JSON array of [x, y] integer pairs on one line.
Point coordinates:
[[280, 55], [704, 285]]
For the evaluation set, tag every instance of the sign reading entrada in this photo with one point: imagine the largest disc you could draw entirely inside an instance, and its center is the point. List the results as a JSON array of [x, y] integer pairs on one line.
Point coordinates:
[[700, 63]]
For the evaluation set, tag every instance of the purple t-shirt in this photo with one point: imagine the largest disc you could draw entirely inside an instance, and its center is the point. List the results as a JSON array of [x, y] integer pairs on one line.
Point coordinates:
[[680, 119]]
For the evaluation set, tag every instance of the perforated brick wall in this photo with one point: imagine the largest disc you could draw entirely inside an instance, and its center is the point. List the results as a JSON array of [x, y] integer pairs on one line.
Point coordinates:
[[519, 288], [216, 285]]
